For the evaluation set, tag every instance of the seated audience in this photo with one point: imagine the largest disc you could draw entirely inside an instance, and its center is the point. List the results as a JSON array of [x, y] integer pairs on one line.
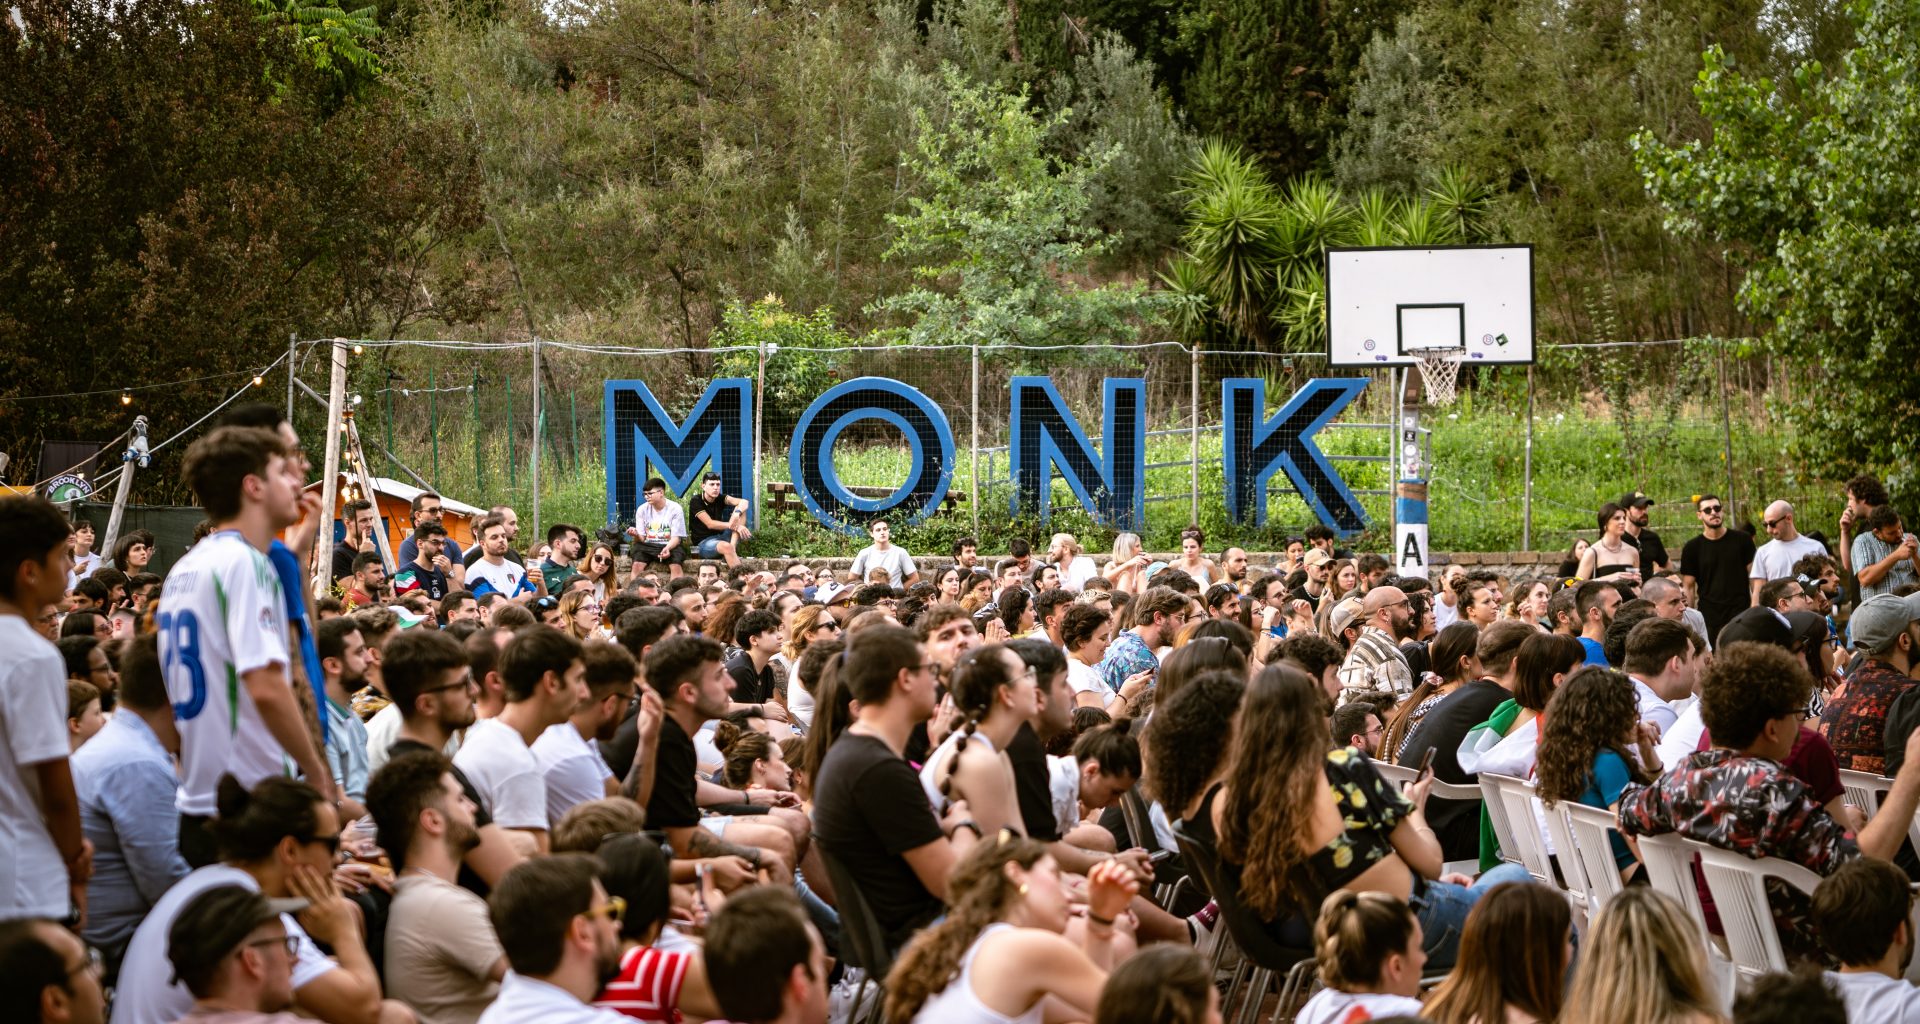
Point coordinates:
[[1455, 663], [1369, 948], [1296, 821], [1513, 960], [1863, 913], [1739, 797], [653, 984], [561, 934], [442, 958], [51, 977], [1000, 951], [1594, 745], [1802, 997], [1457, 822]]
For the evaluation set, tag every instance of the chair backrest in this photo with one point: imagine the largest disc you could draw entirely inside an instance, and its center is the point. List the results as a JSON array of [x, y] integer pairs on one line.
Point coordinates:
[[1248, 931], [866, 943], [1669, 865], [1583, 837], [1402, 776], [1510, 805], [1398, 774], [1864, 789], [1738, 884], [1133, 810]]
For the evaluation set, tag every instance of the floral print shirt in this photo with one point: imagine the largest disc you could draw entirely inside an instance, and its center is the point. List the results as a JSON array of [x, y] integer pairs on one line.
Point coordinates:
[[1749, 805]]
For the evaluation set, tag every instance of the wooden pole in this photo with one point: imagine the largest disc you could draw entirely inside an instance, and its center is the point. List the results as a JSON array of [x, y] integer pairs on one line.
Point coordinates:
[[1193, 439], [534, 470], [974, 498], [330, 466], [124, 490]]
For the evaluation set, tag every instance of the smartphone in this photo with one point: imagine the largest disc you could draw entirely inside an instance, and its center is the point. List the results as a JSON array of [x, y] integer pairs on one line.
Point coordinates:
[[1426, 764], [701, 871], [1158, 856]]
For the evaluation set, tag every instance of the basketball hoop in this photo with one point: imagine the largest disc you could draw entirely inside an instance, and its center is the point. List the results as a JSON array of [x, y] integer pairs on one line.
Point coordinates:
[[1440, 372]]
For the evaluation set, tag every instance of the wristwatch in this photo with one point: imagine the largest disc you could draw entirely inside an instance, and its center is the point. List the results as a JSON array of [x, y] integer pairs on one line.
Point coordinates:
[[966, 823]]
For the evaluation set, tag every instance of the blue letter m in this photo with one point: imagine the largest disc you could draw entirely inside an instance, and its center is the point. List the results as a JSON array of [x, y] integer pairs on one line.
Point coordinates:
[[719, 431], [1255, 449], [1047, 437]]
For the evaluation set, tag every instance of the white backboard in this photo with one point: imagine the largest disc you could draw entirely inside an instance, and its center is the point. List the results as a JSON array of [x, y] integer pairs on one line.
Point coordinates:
[[1383, 304]]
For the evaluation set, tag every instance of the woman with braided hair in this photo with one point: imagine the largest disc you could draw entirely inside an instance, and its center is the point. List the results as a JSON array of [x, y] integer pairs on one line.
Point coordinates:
[[995, 692], [1368, 949], [1005, 946]]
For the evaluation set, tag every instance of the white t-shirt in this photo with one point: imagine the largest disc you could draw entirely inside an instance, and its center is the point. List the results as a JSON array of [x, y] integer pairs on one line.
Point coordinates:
[[82, 568], [383, 731], [799, 701], [1774, 559], [509, 578], [503, 769], [1683, 736], [895, 560], [1078, 570], [575, 772], [1653, 709], [1331, 1006], [525, 1000], [1086, 679], [1877, 999], [146, 996], [33, 731], [224, 616], [659, 525]]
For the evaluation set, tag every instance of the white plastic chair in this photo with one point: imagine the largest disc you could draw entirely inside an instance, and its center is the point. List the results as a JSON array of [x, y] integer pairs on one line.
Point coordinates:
[[1864, 789], [1402, 776], [1510, 805], [1588, 833], [1669, 866], [1738, 884]]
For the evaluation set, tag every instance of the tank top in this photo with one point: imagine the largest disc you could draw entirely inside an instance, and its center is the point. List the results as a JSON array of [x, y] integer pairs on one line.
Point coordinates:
[[956, 1004]]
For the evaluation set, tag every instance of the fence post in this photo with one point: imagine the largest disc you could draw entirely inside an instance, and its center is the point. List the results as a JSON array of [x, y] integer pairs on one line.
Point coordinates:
[[390, 449], [1727, 433], [1193, 439], [1526, 512], [473, 431], [534, 471], [293, 359], [752, 477], [513, 472], [433, 424], [330, 464], [974, 498]]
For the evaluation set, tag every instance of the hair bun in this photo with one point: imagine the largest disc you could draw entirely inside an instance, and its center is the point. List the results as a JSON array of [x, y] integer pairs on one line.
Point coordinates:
[[231, 799]]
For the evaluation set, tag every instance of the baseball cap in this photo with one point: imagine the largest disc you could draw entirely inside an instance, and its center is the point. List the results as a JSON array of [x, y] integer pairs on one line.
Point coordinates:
[[214, 923], [1315, 556], [1154, 568], [408, 620], [1757, 625], [1344, 615], [1634, 499], [1879, 621]]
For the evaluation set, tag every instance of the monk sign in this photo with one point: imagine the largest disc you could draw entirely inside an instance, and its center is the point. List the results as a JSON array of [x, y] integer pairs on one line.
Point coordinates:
[[1045, 439]]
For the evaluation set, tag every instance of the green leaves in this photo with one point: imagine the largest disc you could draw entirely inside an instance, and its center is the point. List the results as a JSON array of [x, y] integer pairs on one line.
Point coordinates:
[[1815, 185], [333, 40]]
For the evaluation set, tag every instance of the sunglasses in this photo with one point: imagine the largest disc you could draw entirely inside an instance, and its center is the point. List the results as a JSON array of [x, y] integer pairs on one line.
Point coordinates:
[[546, 604], [332, 842], [613, 910], [1771, 523], [1711, 510]]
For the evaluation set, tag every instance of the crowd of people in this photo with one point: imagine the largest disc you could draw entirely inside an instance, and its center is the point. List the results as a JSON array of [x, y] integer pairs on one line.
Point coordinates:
[[633, 776]]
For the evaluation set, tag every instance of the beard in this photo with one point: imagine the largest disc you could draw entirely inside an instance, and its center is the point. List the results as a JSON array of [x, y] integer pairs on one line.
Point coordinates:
[[462, 839], [606, 962]]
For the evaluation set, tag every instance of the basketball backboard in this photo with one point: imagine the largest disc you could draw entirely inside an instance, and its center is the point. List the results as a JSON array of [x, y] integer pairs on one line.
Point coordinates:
[[1386, 305]]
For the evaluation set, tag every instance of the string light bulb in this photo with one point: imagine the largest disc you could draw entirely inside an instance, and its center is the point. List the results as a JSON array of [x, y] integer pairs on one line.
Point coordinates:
[[359, 350], [258, 380], [126, 398]]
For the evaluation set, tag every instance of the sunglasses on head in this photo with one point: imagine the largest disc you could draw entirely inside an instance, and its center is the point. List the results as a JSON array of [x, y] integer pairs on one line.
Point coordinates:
[[543, 604]]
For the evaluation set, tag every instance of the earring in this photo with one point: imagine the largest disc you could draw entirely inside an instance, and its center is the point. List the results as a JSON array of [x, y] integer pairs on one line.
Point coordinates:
[[1023, 888]]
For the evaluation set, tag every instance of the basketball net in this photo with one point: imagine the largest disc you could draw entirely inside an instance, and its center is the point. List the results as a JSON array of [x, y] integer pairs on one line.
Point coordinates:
[[1440, 372]]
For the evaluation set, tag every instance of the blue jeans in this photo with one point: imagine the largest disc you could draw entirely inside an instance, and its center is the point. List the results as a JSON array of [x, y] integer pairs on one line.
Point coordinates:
[[710, 547], [1443, 909]]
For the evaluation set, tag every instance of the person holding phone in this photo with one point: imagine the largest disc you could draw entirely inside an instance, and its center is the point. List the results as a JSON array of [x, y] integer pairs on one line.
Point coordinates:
[[1295, 822]]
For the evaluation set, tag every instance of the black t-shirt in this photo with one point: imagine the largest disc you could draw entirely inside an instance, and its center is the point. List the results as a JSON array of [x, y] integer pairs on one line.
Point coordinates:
[[1030, 784], [343, 556], [868, 809], [718, 510], [474, 554], [750, 686], [1719, 570], [468, 879], [1455, 822], [675, 767], [1653, 551]]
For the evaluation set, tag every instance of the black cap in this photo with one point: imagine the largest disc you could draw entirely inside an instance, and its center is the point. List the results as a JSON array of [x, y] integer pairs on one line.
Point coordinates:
[[1634, 499], [1757, 625]]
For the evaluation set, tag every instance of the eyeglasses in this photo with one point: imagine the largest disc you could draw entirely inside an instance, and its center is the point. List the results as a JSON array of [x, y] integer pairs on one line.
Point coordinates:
[[462, 683], [926, 666], [332, 842], [94, 962], [1711, 510], [1803, 713], [613, 910], [290, 943], [588, 608]]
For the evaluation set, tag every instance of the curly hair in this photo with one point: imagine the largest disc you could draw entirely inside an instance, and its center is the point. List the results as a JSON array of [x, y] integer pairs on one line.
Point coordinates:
[[1186, 738], [1748, 685], [724, 615], [979, 893], [1277, 767], [1594, 710], [1082, 621]]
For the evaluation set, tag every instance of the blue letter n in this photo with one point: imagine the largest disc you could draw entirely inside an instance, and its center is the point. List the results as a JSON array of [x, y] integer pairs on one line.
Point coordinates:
[[1046, 437]]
